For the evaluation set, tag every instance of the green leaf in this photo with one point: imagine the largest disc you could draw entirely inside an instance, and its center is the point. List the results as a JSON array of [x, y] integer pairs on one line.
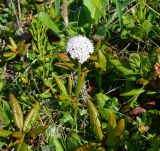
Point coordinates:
[[116, 135], [104, 112], [94, 120], [25, 147], [46, 20], [101, 99], [4, 116], [64, 65], [73, 142], [10, 55], [31, 117], [17, 111], [56, 144], [146, 27], [118, 65], [112, 119], [57, 7], [102, 60], [91, 7], [36, 131], [60, 85], [45, 95], [5, 133], [119, 12], [17, 134], [135, 60], [133, 92]]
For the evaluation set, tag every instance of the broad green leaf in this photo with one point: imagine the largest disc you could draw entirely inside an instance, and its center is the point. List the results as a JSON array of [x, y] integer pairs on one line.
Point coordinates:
[[91, 7], [46, 95], [25, 147], [46, 20], [17, 111], [17, 134], [135, 60], [104, 113], [31, 117], [118, 65], [73, 141], [101, 99], [60, 85], [4, 118], [146, 27], [5, 133], [133, 92], [57, 145], [128, 21], [94, 120], [36, 131]]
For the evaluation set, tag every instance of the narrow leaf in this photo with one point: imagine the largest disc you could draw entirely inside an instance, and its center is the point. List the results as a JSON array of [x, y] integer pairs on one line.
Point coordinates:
[[133, 92], [60, 85], [17, 111], [121, 68], [119, 12], [13, 44], [94, 120], [112, 119], [46, 20], [31, 117], [64, 65]]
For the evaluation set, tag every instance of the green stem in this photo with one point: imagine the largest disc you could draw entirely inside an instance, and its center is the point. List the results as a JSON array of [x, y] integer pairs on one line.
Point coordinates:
[[78, 87], [19, 146], [77, 91]]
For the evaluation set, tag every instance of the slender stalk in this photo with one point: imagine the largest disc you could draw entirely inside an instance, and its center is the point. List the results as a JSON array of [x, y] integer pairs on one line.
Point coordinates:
[[78, 87], [19, 11], [77, 91]]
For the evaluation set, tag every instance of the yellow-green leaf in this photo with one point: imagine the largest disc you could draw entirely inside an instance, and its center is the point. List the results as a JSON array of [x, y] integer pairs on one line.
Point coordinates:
[[69, 84], [17, 134], [102, 60], [116, 135], [64, 65], [31, 117], [13, 44], [112, 119], [17, 111], [133, 92], [60, 85], [5, 133], [94, 120], [9, 54]]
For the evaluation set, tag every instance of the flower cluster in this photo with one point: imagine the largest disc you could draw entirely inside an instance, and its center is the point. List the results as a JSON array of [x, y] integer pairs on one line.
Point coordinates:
[[80, 47]]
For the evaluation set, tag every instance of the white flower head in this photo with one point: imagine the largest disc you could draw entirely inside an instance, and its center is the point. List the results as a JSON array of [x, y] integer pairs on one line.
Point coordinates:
[[80, 47]]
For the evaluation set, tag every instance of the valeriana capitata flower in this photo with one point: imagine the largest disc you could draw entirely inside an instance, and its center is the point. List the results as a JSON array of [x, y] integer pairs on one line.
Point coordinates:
[[80, 47]]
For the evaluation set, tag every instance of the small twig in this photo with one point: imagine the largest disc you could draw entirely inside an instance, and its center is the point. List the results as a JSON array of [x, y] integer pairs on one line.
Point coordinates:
[[15, 13], [19, 11]]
